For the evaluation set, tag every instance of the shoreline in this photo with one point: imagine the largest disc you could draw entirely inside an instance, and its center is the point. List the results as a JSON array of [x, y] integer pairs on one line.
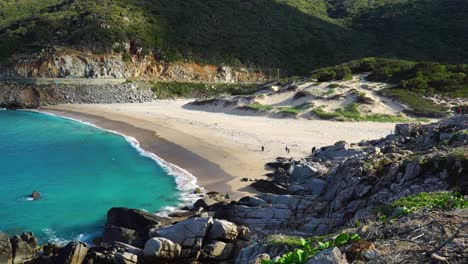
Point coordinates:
[[219, 149], [166, 154]]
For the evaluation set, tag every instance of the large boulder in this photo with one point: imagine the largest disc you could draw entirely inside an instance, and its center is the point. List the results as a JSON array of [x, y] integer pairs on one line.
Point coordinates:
[[122, 234], [407, 130], [188, 233], [5, 249], [329, 256], [302, 172], [217, 250], [24, 247], [269, 187], [222, 230], [315, 186], [134, 219], [126, 258], [251, 201], [73, 253], [159, 249]]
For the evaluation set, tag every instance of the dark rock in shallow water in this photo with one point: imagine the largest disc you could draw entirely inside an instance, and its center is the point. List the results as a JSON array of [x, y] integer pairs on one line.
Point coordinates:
[[35, 195], [134, 219]]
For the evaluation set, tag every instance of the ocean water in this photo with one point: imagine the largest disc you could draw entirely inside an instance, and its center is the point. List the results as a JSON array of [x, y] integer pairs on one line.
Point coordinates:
[[81, 172]]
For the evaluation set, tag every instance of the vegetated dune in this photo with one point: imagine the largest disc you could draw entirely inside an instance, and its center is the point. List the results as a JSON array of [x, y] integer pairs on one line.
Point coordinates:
[[356, 99]]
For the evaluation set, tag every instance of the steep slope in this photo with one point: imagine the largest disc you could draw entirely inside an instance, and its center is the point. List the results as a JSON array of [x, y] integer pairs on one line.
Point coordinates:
[[294, 35]]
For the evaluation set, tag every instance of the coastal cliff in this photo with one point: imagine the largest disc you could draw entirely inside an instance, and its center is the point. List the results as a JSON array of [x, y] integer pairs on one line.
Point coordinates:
[[358, 199], [67, 63]]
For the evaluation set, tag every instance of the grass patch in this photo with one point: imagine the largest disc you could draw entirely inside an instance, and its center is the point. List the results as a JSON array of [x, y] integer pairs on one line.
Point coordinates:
[[294, 110], [333, 85], [351, 113], [165, 90], [409, 204], [419, 105], [364, 99], [260, 107], [320, 112]]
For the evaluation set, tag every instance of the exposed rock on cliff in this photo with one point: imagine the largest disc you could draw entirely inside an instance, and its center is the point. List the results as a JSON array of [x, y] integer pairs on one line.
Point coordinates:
[[59, 63], [17, 96]]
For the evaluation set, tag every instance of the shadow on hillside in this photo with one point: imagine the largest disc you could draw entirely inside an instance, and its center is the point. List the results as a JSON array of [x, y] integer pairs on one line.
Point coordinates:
[[264, 33], [434, 30]]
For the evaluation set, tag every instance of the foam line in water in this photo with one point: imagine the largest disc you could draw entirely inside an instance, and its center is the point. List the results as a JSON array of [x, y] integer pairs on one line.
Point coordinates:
[[186, 183]]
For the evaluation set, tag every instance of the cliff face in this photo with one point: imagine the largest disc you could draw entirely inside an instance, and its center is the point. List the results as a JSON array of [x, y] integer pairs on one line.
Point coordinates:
[[74, 64]]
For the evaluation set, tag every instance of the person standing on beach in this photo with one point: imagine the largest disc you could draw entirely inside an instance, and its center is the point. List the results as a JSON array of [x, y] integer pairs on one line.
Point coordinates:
[[263, 148]]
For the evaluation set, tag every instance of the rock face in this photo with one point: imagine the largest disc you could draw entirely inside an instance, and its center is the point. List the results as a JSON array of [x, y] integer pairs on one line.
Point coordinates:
[[5, 249], [189, 233], [330, 256], [161, 249], [72, 253], [124, 235], [56, 63], [17, 96], [134, 219], [24, 247]]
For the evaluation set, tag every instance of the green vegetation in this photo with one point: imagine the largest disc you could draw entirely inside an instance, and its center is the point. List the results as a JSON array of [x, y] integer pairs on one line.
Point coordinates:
[[412, 81], [294, 110], [364, 99], [288, 110], [307, 249], [260, 107], [351, 113], [409, 204], [419, 105], [294, 35], [165, 90]]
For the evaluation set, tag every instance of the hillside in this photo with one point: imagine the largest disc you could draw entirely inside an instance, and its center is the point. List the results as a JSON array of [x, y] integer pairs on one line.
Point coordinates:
[[294, 35]]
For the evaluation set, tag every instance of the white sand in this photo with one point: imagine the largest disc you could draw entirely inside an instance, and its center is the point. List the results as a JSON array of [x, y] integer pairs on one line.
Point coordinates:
[[233, 141]]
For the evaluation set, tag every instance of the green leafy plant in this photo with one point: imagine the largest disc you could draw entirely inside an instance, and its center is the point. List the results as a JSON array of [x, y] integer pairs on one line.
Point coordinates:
[[306, 251]]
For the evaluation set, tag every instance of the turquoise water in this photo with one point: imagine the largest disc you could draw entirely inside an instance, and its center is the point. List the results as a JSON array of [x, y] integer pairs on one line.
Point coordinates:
[[80, 171]]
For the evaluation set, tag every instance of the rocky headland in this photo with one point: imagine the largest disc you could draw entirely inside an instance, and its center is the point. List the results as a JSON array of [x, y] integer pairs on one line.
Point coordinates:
[[339, 189]]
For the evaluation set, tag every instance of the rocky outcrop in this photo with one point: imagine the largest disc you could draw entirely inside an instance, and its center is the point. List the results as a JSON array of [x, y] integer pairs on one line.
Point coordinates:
[[6, 255], [73, 253], [24, 248], [17, 96], [345, 182], [159, 249]]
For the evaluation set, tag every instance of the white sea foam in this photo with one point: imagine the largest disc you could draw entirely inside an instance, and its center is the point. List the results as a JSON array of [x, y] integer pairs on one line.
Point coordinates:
[[185, 181]]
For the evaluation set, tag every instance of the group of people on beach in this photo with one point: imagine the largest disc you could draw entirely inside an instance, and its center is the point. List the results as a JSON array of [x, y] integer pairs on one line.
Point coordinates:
[[288, 150]]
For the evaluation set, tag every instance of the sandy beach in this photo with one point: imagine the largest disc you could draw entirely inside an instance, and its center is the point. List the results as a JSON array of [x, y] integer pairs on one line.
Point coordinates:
[[219, 149]]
